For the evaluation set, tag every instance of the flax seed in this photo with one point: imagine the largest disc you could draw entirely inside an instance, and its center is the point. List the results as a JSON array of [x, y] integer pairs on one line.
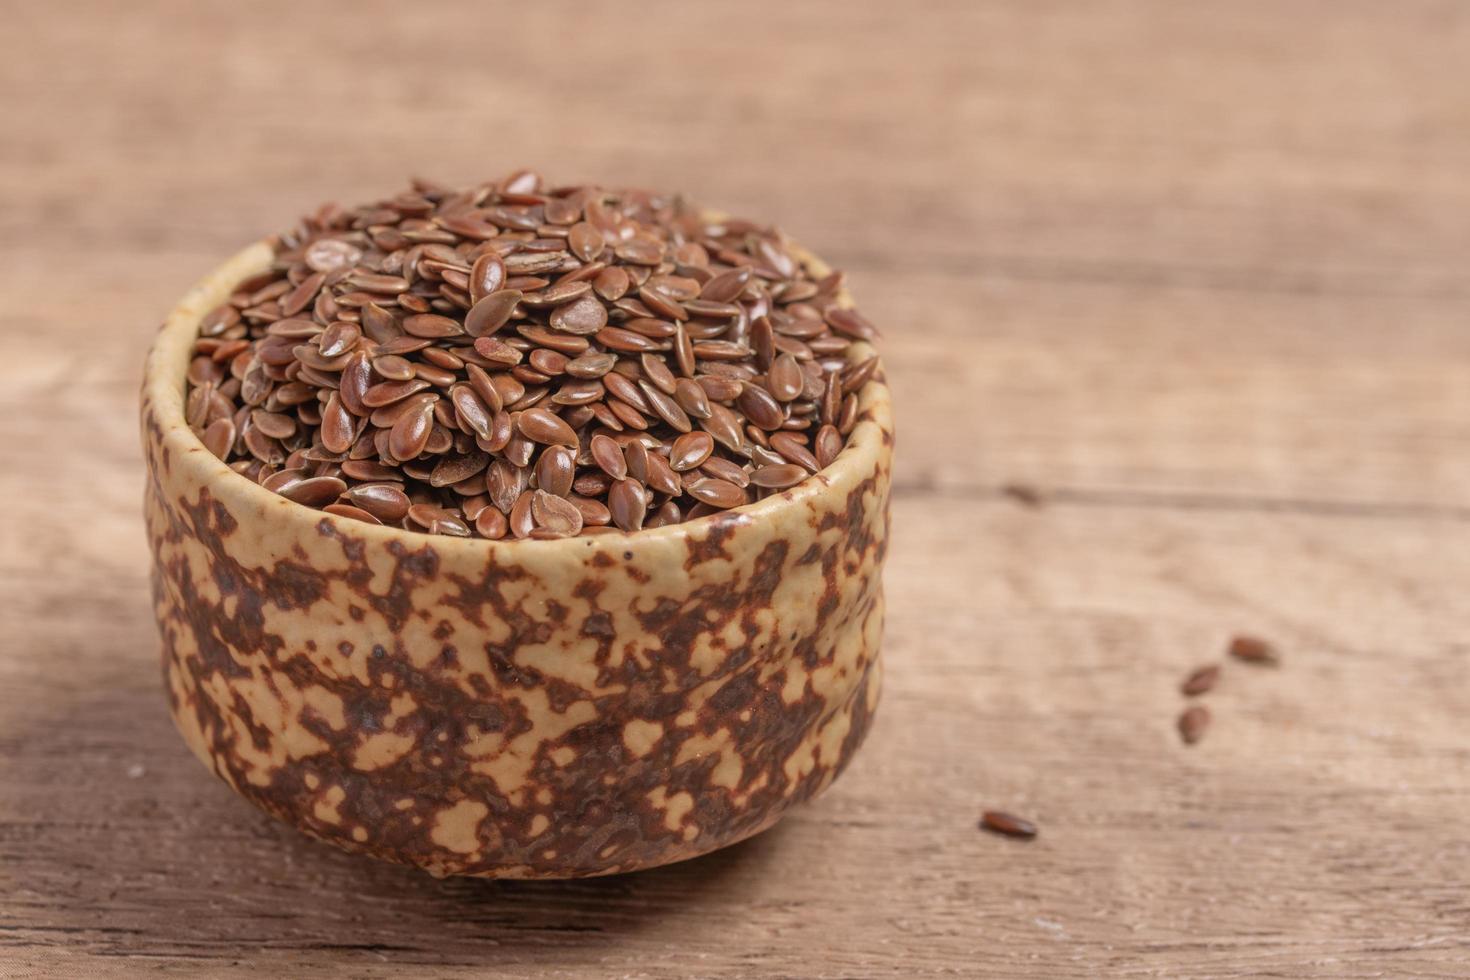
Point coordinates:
[[1200, 681], [1254, 650], [778, 477], [609, 456], [555, 470], [1192, 724], [315, 491], [716, 493], [627, 504], [1007, 825]]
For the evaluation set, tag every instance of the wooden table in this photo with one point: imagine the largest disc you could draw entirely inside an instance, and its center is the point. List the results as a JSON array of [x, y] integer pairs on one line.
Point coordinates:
[[1193, 275]]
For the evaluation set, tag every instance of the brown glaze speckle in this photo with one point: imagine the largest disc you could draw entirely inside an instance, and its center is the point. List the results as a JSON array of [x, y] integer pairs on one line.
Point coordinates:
[[522, 708]]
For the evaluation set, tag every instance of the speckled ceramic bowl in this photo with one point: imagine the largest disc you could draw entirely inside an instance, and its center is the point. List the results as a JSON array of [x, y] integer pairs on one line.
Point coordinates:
[[527, 709]]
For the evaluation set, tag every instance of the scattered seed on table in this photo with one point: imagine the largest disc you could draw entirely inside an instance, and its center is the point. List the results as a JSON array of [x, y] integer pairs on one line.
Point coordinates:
[[1007, 824], [1200, 681], [1254, 650], [1193, 722]]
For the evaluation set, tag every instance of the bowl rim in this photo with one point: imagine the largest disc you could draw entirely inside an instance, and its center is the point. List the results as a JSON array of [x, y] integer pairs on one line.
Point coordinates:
[[165, 383]]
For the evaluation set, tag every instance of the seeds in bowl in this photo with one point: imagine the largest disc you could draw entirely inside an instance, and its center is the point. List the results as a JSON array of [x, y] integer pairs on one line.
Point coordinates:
[[521, 360]]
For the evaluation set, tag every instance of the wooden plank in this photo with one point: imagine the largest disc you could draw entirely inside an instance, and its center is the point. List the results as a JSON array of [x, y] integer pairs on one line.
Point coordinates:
[[1270, 399], [1111, 140], [1315, 831]]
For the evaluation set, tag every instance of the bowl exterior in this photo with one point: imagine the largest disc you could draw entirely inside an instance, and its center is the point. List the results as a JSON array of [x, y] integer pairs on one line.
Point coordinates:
[[535, 709]]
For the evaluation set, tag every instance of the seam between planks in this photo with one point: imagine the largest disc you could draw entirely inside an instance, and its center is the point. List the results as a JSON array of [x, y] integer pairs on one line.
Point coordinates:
[[1034, 495]]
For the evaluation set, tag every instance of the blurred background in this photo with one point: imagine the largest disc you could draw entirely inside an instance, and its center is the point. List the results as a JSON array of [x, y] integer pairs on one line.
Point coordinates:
[[1175, 310], [1260, 178]]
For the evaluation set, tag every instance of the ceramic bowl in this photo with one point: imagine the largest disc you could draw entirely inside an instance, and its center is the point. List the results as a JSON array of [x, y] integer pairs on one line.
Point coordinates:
[[518, 709]]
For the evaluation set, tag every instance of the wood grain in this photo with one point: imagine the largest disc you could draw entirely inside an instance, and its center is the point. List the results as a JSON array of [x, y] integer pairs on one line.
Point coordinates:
[[1192, 273]]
